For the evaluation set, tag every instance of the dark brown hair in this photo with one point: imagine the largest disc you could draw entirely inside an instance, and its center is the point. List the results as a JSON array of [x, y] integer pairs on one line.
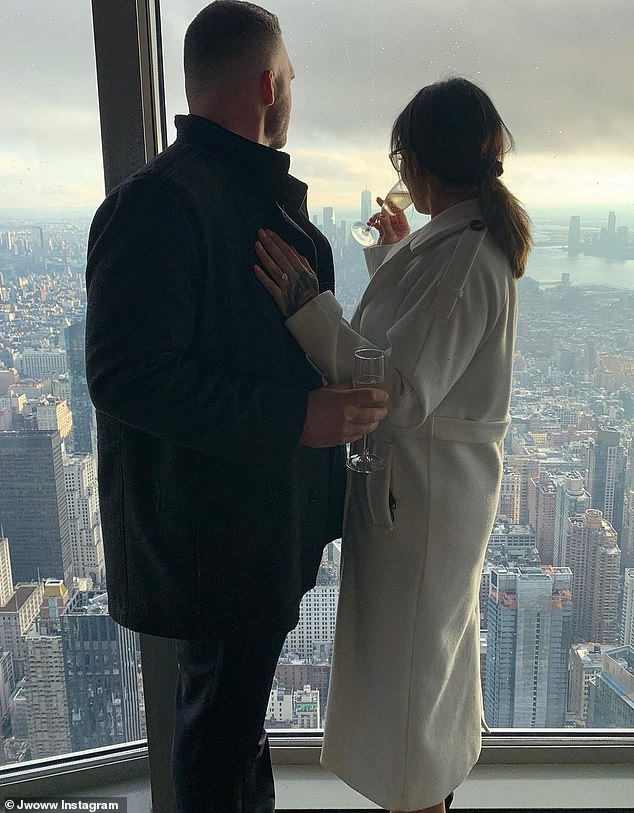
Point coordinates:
[[226, 33], [452, 129]]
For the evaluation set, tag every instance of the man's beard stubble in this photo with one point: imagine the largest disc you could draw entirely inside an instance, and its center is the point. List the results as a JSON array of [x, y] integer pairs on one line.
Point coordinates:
[[276, 124]]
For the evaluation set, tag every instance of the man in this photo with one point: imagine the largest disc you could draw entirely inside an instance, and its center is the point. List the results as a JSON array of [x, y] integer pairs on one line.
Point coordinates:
[[218, 489]]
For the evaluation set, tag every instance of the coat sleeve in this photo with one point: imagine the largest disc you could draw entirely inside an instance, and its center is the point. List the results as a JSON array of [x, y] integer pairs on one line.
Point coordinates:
[[144, 283], [427, 351]]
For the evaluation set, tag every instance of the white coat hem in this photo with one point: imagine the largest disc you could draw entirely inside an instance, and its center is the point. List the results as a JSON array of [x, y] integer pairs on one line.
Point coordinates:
[[396, 802]]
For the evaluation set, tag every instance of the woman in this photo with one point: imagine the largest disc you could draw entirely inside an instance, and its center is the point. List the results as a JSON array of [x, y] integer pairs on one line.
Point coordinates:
[[404, 710]]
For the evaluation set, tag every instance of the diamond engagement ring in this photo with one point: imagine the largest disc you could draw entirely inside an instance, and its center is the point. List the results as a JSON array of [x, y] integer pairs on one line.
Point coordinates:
[[284, 276]]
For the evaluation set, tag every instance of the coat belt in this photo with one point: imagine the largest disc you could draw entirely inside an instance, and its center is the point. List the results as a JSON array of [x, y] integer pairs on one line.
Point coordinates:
[[457, 430]]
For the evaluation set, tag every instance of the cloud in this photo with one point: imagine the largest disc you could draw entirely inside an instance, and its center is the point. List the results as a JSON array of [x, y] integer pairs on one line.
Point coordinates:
[[560, 73]]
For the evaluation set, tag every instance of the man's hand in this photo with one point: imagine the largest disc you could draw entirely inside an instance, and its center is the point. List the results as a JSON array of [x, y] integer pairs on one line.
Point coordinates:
[[335, 416]]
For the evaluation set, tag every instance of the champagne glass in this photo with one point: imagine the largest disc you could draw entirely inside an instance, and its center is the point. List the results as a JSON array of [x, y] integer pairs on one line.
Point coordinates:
[[368, 371], [398, 197]]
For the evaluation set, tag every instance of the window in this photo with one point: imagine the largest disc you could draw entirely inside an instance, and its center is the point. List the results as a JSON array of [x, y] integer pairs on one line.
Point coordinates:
[[557, 74], [70, 677]]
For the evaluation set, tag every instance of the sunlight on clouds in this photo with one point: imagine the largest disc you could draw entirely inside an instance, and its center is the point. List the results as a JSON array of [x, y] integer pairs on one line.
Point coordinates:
[[336, 176], [539, 179]]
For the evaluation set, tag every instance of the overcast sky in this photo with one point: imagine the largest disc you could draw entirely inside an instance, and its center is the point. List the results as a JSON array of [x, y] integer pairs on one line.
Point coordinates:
[[559, 72]]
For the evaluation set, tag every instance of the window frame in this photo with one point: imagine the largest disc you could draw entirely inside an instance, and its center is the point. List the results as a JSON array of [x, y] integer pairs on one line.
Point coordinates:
[[133, 129]]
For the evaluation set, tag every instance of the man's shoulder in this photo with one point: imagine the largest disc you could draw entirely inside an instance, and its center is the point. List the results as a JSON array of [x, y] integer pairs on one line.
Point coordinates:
[[174, 174]]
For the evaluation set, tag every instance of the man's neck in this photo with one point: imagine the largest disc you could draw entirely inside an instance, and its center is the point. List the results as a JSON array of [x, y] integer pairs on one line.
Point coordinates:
[[251, 128]]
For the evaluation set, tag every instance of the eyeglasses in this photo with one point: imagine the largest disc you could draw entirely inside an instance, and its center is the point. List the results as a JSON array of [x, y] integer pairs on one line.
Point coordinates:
[[396, 159]]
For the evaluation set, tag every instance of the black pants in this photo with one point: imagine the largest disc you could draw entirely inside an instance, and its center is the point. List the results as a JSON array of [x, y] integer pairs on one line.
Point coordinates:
[[220, 753]]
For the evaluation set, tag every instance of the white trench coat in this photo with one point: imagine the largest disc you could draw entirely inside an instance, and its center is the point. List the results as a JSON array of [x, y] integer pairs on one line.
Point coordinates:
[[404, 711]]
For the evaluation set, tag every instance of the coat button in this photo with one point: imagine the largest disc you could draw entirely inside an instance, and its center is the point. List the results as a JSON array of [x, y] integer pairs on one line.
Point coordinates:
[[477, 225]]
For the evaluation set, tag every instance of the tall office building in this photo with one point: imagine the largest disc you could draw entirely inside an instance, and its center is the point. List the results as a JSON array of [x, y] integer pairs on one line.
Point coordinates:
[[510, 494], [528, 467], [6, 574], [528, 639], [83, 516], [36, 362], [80, 403], [366, 205], [626, 540], [17, 617], [511, 542], [627, 613], [54, 416], [7, 683], [313, 637], [611, 222], [542, 500], [586, 661], [611, 699], [101, 674], [574, 236], [572, 500], [606, 476], [329, 223], [594, 558], [33, 509], [509, 546], [45, 692]]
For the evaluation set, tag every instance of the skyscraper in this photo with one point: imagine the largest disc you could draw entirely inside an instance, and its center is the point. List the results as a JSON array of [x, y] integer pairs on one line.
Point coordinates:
[[586, 661], [574, 236], [33, 508], [528, 638], [627, 614], [315, 631], [594, 558], [83, 514], [611, 222], [572, 500], [510, 494], [528, 468], [366, 205], [45, 692], [6, 574], [626, 540], [329, 223], [611, 697], [80, 403], [542, 499], [101, 679], [606, 476]]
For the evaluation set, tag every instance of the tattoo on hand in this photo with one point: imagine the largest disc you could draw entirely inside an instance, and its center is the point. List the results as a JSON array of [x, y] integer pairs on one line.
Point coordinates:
[[305, 288]]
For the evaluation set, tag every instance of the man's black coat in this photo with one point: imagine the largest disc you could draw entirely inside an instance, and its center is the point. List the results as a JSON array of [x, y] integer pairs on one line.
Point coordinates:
[[213, 515]]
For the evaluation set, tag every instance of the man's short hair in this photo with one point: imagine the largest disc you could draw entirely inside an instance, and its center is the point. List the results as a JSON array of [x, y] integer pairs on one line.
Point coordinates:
[[225, 35]]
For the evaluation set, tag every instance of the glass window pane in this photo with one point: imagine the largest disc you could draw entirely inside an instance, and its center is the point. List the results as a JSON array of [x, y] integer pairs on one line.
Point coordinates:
[[557, 590], [69, 676]]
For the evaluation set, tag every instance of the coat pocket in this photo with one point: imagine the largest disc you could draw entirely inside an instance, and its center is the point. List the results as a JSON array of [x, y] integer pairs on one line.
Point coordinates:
[[378, 488]]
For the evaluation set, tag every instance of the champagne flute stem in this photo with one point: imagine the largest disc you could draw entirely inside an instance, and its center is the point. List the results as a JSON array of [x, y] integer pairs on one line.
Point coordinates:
[[364, 453]]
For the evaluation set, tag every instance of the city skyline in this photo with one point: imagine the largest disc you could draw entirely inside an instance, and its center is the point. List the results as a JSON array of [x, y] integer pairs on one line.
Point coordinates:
[[559, 566]]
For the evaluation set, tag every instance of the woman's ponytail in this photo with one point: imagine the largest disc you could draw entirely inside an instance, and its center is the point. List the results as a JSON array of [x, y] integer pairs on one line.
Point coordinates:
[[507, 221]]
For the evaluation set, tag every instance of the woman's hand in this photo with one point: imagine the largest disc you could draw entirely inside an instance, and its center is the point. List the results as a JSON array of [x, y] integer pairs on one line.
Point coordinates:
[[286, 275], [391, 228]]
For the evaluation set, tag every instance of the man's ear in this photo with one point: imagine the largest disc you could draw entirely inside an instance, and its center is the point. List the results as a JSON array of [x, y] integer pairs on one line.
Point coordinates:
[[267, 88]]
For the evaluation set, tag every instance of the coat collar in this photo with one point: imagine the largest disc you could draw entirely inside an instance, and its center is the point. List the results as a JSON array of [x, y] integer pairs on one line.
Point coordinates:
[[267, 167], [456, 218]]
